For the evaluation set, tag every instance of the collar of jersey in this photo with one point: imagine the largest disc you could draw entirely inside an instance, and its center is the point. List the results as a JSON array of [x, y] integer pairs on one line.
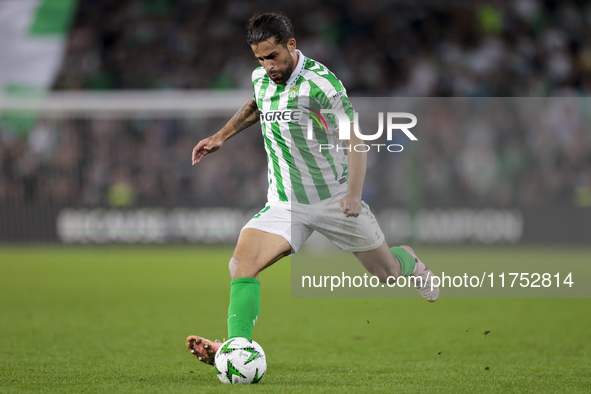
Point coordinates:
[[298, 70]]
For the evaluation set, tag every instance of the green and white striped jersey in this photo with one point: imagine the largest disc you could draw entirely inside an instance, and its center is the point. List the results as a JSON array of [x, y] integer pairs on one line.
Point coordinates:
[[299, 170]]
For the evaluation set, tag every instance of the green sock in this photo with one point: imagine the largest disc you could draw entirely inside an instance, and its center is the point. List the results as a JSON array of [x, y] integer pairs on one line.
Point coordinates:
[[407, 261], [245, 305]]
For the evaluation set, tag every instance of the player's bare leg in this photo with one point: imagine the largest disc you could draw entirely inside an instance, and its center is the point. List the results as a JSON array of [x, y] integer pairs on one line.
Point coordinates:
[[255, 251], [382, 263]]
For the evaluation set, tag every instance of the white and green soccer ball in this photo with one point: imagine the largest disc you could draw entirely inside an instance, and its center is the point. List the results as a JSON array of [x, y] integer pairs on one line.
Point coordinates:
[[240, 361]]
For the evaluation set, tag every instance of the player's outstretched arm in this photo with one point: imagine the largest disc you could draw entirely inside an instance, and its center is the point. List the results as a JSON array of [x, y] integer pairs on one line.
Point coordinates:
[[244, 118], [351, 203]]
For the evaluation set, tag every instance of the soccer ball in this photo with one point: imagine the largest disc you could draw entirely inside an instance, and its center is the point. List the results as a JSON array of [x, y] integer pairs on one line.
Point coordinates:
[[240, 361]]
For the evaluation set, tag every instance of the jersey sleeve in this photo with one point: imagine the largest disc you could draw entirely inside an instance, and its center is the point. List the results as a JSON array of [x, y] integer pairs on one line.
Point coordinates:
[[329, 93], [339, 100]]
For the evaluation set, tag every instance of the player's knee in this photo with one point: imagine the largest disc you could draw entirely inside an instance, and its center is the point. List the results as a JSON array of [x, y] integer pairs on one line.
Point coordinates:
[[241, 268], [233, 266]]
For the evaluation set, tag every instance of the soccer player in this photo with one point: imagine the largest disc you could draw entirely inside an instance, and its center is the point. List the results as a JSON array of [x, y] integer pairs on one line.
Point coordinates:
[[309, 189]]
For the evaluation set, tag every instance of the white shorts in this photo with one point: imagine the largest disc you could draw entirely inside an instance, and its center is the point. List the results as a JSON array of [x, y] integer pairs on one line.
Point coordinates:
[[296, 222]]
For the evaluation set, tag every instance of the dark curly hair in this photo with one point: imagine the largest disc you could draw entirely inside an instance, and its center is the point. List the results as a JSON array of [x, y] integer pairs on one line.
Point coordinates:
[[262, 27]]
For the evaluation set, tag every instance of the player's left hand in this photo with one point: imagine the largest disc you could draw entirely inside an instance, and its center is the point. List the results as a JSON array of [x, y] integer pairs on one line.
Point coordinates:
[[350, 206]]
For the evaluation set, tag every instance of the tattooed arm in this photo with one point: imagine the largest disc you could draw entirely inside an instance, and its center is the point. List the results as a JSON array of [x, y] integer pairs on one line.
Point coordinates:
[[244, 118]]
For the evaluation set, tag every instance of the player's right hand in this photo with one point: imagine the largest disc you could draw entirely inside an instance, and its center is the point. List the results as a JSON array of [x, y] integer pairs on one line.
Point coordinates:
[[205, 147]]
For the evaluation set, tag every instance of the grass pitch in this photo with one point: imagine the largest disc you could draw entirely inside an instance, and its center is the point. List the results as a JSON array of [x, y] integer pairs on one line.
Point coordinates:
[[114, 319]]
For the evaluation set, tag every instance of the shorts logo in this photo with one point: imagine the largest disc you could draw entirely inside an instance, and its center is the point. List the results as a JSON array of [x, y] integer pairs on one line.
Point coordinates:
[[365, 206], [258, 215]]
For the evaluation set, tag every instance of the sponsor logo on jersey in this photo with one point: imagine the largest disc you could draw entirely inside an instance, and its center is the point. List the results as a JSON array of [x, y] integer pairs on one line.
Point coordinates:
[[338, 94], [287, 115]]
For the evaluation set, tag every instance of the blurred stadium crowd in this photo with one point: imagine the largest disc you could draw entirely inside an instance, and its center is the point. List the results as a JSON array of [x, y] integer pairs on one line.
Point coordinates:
[[471, 153], [378, 48]]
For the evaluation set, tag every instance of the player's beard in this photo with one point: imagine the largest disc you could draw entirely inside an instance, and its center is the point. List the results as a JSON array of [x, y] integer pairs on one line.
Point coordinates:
[[285, 73]]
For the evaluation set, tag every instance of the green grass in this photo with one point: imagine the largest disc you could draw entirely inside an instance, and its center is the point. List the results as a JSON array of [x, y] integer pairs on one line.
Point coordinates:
[[114, 319]]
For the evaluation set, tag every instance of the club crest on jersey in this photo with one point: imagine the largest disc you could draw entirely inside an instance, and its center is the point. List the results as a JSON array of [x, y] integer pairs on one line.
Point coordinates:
[[293, 92], [262, 93]]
